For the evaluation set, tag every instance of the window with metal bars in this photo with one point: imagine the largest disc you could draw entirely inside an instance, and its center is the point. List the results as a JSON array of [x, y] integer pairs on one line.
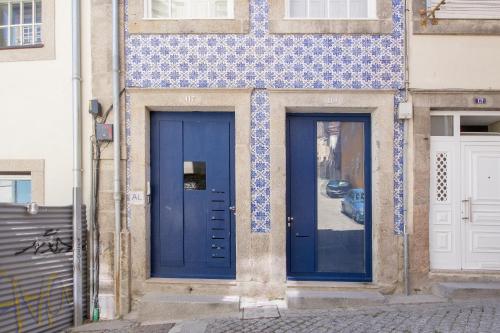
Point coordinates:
[[467, 9], [331, 9], [189, 9], [20, 23]]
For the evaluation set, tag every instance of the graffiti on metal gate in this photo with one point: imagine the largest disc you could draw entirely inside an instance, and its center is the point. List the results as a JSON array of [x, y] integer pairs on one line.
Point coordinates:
[[39, 306], [48, 242]]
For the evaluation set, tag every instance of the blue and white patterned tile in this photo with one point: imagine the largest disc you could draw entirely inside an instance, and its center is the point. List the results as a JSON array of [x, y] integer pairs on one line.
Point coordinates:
[[260, 175], [262, 60], [398, 167]]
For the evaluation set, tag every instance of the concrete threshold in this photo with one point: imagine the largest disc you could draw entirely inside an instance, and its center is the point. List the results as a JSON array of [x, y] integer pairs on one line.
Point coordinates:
[[312, 299], [415, 299], [464, 276], [467, 290], [332, 284], [168, 281], [155, 307]]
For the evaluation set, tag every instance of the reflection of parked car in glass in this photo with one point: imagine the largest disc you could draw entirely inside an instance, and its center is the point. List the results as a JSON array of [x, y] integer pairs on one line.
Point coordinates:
[[337, 188], [353, 205]]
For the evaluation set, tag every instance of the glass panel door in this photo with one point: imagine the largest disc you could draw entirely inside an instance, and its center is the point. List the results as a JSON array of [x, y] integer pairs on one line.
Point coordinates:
[[329, 196], [340, 196]]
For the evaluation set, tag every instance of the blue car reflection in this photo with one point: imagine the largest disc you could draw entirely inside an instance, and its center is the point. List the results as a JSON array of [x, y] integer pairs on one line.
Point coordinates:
[[353, 205]]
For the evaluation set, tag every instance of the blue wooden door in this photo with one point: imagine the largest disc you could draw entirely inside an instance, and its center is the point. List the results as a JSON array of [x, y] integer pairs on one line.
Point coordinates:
[[192, 190], [329, 197]]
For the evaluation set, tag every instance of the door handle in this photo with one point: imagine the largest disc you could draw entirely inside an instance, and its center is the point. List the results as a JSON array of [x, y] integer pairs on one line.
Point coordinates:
[[233, 209], [289, 220], [467, 210], [470, 209], [465, 217]]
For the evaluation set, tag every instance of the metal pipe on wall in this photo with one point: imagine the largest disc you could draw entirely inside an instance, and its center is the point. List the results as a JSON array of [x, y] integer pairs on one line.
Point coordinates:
[[117, 146], [406, 236], [77, 162], [406, 247], [91, 249]]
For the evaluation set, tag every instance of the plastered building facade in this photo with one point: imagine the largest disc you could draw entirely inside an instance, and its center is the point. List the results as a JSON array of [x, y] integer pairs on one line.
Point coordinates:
[[453, 74], [260, 69], [36, 105], [276, 228]]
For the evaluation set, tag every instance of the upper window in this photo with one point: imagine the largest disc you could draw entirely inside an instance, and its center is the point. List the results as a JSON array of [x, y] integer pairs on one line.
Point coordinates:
[[15, 189], [20, 23], [331, 9], [456, 17], [189, 9], [467, 9], [330, 16]]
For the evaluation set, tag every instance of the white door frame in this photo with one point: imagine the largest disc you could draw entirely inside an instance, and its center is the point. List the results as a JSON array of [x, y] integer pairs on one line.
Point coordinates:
[[446, 227]]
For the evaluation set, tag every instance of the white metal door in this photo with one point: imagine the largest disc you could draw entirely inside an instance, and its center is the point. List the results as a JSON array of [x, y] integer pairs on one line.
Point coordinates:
[[480, 204]]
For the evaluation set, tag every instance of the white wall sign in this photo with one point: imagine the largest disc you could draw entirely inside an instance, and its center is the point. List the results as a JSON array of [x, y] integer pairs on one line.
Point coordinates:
[[136, 198]]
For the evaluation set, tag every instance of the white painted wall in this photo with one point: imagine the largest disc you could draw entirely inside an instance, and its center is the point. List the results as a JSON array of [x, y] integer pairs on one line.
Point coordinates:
[[35, 108], [466, 62], [454, 61]]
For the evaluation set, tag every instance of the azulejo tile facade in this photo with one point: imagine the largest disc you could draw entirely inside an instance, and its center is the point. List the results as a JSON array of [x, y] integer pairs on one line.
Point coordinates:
[[261, 60]]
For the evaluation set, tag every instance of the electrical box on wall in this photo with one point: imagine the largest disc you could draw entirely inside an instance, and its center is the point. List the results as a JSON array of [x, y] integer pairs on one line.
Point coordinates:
[[405, 110], [94, 107], [104, 132]]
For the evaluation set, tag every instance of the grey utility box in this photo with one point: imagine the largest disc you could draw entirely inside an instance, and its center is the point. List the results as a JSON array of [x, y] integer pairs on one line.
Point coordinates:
[[104, 132]]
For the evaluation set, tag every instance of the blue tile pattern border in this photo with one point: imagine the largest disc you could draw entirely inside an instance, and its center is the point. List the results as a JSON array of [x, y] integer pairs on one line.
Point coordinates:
[[260, 174], [261, 60], [398, 167]]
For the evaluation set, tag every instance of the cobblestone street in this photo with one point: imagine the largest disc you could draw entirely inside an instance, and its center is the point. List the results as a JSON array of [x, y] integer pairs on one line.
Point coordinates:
[[432, 318], [460, 317]]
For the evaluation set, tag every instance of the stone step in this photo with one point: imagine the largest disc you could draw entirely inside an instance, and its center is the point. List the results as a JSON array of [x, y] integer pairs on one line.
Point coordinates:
[[415, 299], [312, 299], [161, 307], [467, 290]]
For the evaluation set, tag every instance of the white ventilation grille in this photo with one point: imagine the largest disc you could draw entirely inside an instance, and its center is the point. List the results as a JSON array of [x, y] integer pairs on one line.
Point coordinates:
[[467, 9], [441, 177]]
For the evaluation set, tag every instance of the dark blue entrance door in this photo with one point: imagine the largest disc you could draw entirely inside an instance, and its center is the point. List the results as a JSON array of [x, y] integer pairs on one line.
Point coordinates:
[[192, 190], [329, 197]]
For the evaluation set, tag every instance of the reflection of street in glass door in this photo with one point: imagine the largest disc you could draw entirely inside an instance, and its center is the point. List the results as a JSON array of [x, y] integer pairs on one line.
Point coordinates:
[[340, 196], [330, 215]]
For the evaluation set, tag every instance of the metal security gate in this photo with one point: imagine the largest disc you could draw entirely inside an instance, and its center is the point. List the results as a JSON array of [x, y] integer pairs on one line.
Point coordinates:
[[36, 269]]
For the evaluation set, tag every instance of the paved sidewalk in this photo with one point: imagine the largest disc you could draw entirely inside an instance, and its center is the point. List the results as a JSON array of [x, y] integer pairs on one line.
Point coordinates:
[[121, 326], [458, 317]]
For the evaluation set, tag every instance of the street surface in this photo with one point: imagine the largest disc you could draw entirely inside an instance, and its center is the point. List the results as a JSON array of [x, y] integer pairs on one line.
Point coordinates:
[[473, 317], [459, 317]]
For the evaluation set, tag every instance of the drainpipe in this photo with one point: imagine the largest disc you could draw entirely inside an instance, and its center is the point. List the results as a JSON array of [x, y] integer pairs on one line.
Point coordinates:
[[117, 146], [91, 224], [406, 236], [77, 162], [406, 247]]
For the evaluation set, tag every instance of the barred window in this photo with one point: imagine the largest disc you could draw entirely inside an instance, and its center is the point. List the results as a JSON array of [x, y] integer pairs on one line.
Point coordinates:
[[189, 9], [331, 9], [467, 9], [20, 23]]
